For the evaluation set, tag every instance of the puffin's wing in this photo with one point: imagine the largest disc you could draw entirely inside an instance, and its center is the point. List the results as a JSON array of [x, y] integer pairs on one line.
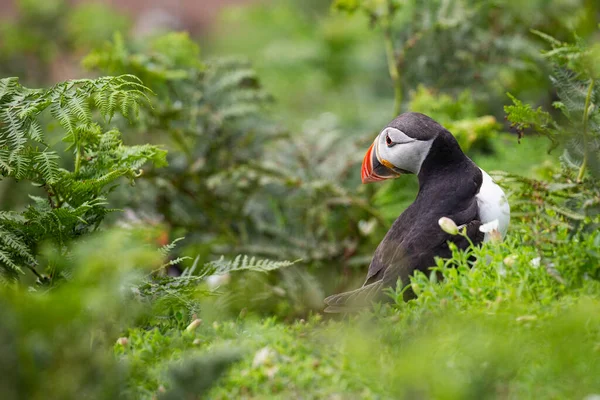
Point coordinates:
[[425, 258], [395, 261], [355, 299]]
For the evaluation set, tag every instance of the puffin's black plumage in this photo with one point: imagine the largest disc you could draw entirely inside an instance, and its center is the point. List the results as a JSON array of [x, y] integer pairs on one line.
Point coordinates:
[[448, 184]]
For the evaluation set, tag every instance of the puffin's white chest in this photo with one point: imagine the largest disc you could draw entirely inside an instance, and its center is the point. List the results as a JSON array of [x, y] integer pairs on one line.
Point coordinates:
[[493, 204]]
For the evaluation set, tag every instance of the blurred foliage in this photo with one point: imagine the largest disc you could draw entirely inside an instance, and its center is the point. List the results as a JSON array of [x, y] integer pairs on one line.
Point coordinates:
[[89, 25], [575, 76], [475, 334], [56, 344], [570, 198], [236, 181], [311, 62], [458, 44], [277, 181], [459, 116], [74, 199], [46, 32], [211, 116]]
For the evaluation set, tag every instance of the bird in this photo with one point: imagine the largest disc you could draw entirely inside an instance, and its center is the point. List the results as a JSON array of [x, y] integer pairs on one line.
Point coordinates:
[[451, 185]]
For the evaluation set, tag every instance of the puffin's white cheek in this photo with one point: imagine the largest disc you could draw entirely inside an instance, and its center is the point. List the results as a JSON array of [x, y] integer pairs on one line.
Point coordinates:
[[409, 156]]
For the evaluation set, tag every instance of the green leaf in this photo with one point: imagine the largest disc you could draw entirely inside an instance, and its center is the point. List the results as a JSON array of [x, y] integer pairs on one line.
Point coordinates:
[[46, 164]]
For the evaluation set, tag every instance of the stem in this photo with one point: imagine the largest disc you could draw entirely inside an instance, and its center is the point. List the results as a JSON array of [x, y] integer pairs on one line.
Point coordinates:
[[59, 201], [77, 159], [586, 112], [32, 269], [392, 65]]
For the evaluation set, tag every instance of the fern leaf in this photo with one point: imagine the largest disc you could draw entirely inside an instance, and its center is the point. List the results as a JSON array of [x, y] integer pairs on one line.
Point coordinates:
[[244, 263], [12, 132], [7, 261], [79, 107], [65, 117], [46, 163], [553, 41], [34, 131], [16, 244], [525, 115], [168, 248], [176, 261], [20, 161], [8, 86], [5, 164]]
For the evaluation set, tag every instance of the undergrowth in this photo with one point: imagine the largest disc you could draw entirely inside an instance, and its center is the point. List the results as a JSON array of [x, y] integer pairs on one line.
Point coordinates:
[[512, 319], [72, 199]]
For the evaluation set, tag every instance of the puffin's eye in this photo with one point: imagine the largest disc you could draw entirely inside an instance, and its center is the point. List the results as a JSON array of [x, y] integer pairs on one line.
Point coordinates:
[[388, 141]]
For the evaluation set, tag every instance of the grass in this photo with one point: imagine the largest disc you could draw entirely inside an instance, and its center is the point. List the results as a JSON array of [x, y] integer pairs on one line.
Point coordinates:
[[505, 328], [519, 323]]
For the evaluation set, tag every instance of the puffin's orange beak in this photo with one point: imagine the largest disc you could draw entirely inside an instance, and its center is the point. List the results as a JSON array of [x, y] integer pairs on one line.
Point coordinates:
[[374, 170]]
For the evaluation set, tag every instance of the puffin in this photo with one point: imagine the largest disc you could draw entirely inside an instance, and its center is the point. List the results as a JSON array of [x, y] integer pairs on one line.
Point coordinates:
[[451, 185]]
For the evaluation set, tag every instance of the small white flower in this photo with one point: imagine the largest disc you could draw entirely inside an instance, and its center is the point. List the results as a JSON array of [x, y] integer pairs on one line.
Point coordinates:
[[535, 263], [509, 261], [489, 227], [264, 356], [367, 227], [193, 325], [501, 270], [491, 231], [526, 318], [448, 226]]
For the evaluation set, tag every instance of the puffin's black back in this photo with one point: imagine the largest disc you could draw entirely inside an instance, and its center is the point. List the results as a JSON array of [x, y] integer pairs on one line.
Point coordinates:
[[449, 182]]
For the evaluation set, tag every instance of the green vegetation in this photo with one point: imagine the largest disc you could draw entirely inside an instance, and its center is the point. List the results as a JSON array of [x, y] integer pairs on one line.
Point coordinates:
[[74, 199], [243, 179]]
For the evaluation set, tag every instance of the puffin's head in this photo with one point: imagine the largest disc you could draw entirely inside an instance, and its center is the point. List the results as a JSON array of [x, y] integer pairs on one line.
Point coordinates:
[[400, 148]]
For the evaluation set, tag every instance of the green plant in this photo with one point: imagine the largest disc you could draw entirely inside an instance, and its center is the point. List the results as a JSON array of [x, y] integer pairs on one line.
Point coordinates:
[[458, 44], [44, 34], [234, 175], [88, 25], [71, 199], [575, 77], [57, 343], [210, 116], [459, 116], [570, 199], [192, 378]]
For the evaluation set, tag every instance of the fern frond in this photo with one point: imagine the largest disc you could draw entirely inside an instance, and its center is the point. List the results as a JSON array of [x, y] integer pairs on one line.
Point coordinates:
[[34, 130], [176, 261], [78, 191], [65, 117], [12, 132], [20, 160], [46, 164], [5, 163], [16, 244], [78, 104], [571, 91], [74, 203], [8, 86], [7, 261], [169, 247], [553, 41], [234, 80], [243, 263]]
